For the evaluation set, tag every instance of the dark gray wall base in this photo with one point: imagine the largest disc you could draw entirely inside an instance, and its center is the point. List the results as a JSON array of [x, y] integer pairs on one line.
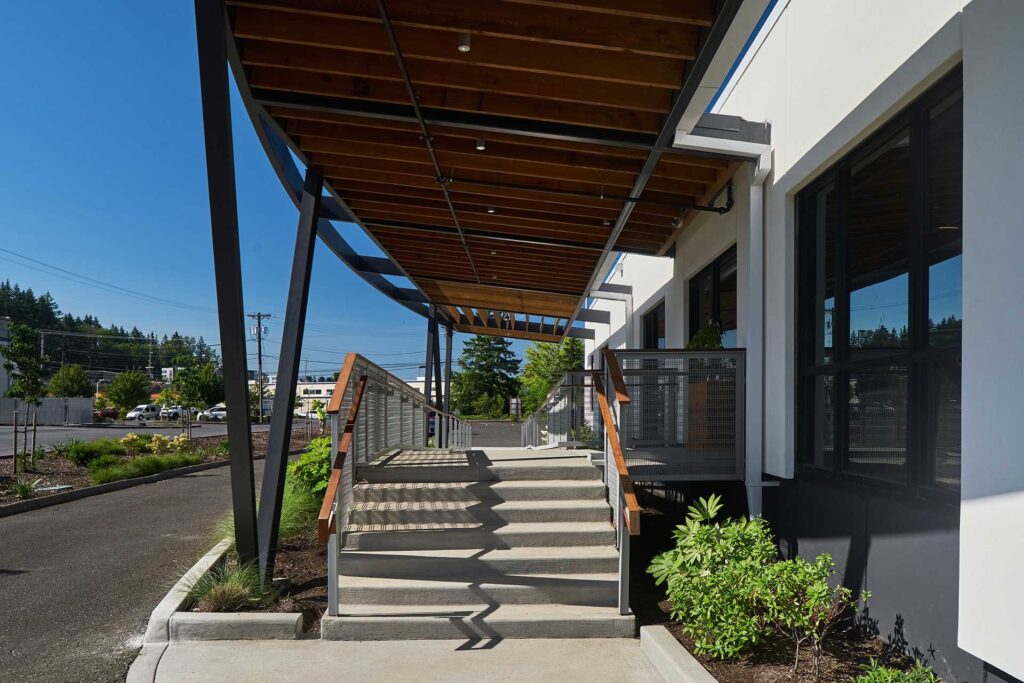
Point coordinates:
[[905, 552]]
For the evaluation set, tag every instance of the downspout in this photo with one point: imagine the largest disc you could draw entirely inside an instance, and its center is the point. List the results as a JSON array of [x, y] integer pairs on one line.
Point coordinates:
[[760, 157]]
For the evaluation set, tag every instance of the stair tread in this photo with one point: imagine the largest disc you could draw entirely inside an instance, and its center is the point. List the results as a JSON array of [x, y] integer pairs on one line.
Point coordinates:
[[529, 612], [493, 484], [522, 552], [512, 579], [499, 528], [463, 505]]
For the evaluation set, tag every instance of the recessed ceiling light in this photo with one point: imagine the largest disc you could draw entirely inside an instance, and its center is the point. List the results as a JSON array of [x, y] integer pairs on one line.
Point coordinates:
[[463, 42], [490, 209], [481, 145], [493, 252], [606, 222]]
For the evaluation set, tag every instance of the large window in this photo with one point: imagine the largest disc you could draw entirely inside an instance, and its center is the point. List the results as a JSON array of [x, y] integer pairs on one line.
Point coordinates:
[[654, 327], [713, 297], [879, 295]]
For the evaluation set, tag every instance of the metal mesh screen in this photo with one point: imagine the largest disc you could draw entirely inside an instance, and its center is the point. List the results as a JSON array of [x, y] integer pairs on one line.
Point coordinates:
[[685, 415], [566, 417]]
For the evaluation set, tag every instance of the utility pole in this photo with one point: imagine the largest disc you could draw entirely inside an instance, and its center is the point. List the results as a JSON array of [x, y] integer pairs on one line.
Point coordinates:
[[258, 333]]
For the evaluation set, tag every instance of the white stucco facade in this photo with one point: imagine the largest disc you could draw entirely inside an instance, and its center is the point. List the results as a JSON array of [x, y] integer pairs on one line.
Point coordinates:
[[826, 74]]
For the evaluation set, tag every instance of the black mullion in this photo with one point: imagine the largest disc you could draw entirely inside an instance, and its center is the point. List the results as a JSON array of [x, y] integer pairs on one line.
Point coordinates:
[[917, 377], [841, 325]]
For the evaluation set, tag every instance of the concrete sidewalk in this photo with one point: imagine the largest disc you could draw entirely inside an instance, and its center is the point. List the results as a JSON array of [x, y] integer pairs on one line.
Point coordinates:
[[616, 660]]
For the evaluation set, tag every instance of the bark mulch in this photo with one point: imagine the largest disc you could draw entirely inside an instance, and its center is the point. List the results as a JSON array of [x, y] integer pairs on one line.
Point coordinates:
[[304, 563], [56, 471]]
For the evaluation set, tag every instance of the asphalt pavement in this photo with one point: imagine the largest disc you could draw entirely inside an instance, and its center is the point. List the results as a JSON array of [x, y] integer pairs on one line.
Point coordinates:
[[79, 580], [49, 435]]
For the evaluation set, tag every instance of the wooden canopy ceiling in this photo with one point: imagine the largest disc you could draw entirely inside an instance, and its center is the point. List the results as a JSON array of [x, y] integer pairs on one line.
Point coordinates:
[[529, 214]]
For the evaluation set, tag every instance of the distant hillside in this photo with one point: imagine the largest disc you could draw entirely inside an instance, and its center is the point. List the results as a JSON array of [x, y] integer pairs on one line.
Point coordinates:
[[84, 340]]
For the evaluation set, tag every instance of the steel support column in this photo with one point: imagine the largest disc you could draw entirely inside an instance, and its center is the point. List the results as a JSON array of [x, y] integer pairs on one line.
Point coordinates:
[[428, 363], [446, 402], [211, 37], [272, 490]]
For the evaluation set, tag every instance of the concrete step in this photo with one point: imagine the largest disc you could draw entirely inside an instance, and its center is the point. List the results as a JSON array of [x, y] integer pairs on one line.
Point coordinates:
[[482, 491], [479, 466], [505, 589], [395, 515], [476, 621], [480, 564], [476, 535]]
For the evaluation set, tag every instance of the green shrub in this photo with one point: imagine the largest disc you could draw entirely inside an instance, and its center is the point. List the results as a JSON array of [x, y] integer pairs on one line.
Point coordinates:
[[795, 597], [876, 673], [711, 575], [313, 468], [230, 589], [102, 461], [82, 452], [159, 444], [143, 466], [61, 448], [223, 448]]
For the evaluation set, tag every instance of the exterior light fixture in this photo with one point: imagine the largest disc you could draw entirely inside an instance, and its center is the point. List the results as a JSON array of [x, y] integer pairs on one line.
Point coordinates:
[[493, 252], [463, 41], [490, 209], [481, 145], [606, 222]]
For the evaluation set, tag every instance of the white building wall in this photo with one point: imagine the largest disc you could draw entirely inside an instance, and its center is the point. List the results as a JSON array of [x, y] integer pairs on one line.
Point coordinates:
[[992, 489], [825, 74]]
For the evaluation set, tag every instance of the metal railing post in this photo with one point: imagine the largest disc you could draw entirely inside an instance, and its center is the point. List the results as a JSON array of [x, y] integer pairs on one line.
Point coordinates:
[[623, 534]]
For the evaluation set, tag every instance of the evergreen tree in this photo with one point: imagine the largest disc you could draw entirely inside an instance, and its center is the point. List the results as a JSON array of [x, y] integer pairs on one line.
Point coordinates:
[[487, 376]]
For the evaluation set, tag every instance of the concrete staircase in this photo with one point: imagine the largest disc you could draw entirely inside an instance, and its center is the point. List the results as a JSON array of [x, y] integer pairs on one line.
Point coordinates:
[[493, 543]]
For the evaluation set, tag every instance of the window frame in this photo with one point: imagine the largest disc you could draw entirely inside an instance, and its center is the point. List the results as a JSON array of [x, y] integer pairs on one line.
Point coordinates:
[[920, 358], [714, 270], [650, 315]]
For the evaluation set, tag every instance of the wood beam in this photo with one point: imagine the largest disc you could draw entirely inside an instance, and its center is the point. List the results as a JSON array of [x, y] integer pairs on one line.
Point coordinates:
[[494, 20], [494, 52]]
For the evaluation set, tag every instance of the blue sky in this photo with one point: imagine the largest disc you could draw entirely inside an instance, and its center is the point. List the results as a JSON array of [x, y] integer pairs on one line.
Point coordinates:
[[106, 178]]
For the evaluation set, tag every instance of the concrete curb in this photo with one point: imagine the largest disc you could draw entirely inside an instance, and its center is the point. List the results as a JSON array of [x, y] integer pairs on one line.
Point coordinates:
[[143, 669], [670, 658], [158, 630], [78, 494], [235, 626]]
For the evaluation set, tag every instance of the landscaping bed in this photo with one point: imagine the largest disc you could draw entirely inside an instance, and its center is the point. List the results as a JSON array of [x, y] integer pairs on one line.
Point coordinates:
[[301, 562], [75, 465], [847, 654]]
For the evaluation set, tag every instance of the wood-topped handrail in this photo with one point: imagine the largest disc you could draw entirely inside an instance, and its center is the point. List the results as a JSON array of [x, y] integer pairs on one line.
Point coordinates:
[[618, 383], [631, 513], [325, 521], [334, 405]]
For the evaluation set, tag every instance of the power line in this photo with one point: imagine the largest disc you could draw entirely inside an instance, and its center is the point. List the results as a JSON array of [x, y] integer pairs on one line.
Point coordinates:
[[97, 284]]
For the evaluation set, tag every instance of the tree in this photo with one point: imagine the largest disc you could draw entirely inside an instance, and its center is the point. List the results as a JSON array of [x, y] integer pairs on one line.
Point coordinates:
[[71, 381], [199, 386], [128, 389], [487, 376], [545, 365], [24, 364]]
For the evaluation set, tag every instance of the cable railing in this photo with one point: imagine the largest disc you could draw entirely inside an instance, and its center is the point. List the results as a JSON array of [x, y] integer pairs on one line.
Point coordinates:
[[617, 477], [685, 421], [373, 413], [567, 417]]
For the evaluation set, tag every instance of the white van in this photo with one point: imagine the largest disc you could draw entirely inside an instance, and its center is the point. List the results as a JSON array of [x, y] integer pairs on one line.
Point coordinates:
[[148, 411]]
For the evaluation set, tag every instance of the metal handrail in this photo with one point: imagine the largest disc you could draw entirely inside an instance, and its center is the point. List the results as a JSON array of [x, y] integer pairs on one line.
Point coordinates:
[[385, 415], [563, 413]]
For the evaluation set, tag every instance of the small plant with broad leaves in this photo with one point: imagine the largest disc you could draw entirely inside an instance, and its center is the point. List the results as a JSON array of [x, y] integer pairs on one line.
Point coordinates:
[[159, 444], [874, 672], [180, 442], [710, 576], [795, 596], [313, 468], [131, 441]]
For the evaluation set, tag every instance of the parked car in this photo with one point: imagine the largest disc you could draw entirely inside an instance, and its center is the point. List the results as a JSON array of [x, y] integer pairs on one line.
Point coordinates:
[[100, 414], [148, 411], [176, 413], [214, 414]]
